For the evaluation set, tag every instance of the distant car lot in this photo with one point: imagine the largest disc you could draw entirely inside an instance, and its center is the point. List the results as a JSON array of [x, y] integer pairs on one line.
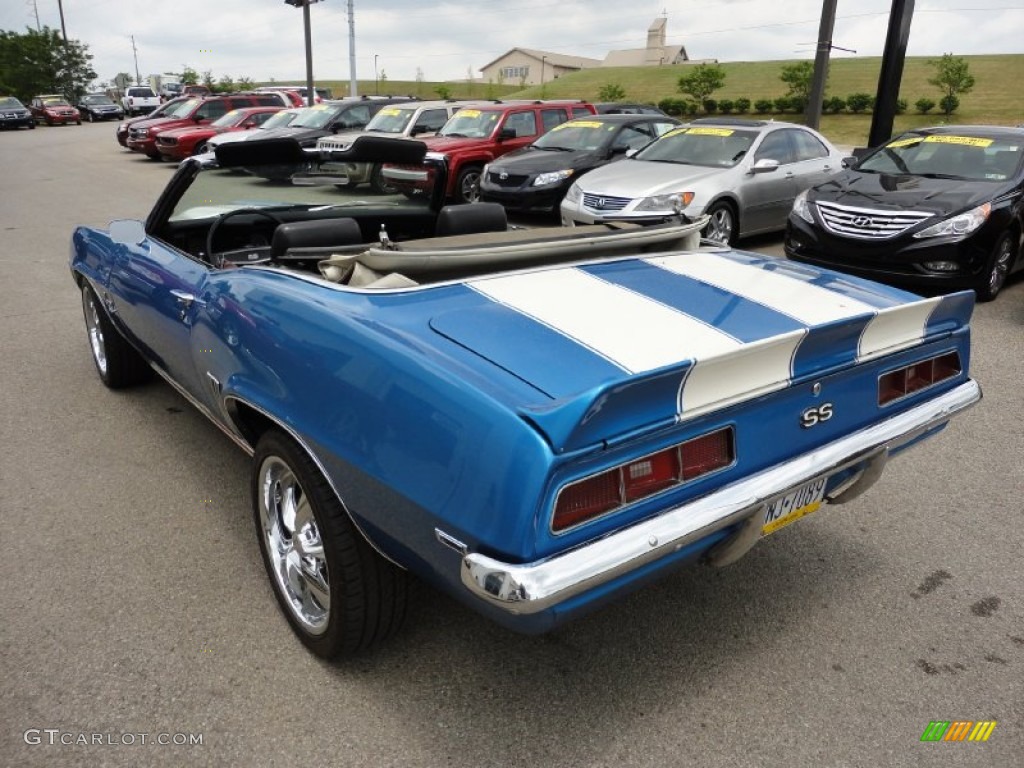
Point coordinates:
[[905, 607]]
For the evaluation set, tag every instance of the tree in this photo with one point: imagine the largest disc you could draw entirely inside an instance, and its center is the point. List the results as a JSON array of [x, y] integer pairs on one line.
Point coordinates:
[[226, 84], [704, 80], [798, 77], [39, 61], [611, 92], [245, 84], [208, 80], [953, 79], [189, 76]]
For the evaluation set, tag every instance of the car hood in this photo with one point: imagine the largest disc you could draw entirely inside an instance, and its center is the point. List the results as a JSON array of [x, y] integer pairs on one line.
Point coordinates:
[[903, 192], [530, 161], [641, 178], [190, 130], [305, 136], [732, 327], [453, 144]]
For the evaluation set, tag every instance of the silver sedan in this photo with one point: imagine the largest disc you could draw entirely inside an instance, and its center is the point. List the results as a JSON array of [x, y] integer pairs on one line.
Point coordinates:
[[744, 174]]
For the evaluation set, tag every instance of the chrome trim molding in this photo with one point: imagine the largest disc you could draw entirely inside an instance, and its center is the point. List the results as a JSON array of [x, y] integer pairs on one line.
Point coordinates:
[[533, 587]]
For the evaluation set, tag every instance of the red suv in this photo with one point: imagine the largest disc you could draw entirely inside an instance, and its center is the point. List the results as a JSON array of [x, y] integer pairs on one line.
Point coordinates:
[[475, 136], [200, 111]]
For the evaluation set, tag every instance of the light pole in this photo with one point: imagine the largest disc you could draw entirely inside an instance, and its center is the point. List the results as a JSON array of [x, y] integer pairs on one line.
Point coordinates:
[[542, 60], [376, 79], [304, 4]]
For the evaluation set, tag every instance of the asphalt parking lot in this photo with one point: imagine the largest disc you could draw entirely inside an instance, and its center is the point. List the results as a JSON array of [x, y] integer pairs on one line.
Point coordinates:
[[136, 617]]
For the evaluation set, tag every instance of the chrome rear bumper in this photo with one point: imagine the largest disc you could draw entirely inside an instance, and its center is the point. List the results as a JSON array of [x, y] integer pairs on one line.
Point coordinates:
[[533, 587]]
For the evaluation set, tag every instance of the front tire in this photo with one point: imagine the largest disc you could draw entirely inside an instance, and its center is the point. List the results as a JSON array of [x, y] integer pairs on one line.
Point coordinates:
[[117, 362], [994, 277], [467, 188], [378, 183], [722, 227], [338, 594]]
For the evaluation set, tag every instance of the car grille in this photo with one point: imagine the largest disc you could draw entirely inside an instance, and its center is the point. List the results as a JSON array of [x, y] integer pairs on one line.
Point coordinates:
[[506, 179], [334, 144], [605, 203], [867, 223]]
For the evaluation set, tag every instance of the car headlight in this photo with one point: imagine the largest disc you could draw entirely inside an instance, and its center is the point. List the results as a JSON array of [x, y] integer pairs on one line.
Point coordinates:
[[574, 193], [553, 177], [961, 224], [668, 202], [802, 208]]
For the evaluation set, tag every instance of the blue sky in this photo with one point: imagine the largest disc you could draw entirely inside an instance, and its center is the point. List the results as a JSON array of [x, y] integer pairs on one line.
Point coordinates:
[[263, 39]]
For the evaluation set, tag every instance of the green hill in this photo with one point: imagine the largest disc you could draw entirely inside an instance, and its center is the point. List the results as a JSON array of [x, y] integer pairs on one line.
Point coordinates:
[[997, 96]]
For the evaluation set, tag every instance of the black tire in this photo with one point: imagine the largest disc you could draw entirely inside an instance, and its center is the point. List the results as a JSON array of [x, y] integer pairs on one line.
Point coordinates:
[[117, 362], [377, 182], [32, 125], [467, 187], [90, 117], [723, 225], [338, 594], [992, 280], [199, 148]]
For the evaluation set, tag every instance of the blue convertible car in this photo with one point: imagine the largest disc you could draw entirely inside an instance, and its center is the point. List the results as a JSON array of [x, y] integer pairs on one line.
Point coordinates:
[[536, 421]]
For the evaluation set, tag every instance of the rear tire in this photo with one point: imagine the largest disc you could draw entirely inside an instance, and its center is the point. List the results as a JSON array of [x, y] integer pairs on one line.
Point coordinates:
[[377, 182], [117, 362], [467, 188], [337, 593], [992, 280]]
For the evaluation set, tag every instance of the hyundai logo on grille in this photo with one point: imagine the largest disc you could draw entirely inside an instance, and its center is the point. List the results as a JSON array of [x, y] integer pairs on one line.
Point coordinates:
[[862, 221]]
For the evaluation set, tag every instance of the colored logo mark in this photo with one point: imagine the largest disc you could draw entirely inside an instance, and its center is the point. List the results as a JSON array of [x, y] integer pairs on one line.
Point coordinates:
[[958, 730]]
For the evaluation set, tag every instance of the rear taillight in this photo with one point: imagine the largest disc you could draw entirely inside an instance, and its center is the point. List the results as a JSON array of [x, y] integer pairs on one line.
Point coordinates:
[[913, 378], [641, 478]]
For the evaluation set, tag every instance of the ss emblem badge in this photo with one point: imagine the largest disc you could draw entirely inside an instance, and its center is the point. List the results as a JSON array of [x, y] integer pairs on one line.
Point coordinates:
[[814, 416]]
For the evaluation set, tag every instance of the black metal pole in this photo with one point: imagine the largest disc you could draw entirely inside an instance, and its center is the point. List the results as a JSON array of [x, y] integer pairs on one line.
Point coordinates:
[[891, 75], [310, 93], [821, 56]]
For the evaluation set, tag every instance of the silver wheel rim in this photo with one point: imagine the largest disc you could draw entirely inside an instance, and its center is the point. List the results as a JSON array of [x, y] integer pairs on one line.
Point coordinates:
[[720, 227], [293, 545], [1001, 267], [471, 187], [95, 331]]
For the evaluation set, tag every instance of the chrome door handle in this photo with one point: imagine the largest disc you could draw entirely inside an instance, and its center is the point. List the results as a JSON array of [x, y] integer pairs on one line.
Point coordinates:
[[185, 300]]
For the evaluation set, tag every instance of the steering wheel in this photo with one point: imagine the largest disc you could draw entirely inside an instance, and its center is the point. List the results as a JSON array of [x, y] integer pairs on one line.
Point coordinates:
[[218, 258]]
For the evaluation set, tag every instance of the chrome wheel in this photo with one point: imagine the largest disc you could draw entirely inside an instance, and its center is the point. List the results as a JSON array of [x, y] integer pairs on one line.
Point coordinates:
[[469, 185], [94, 329], [721, 227], [1000, 266], [293, 545]]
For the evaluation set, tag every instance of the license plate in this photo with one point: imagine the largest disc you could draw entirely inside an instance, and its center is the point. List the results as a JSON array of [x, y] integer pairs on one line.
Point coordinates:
[[794, 505]]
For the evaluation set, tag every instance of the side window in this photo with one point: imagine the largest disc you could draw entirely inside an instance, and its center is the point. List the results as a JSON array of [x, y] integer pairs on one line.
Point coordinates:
[[808, 147], [431, 120], [354, 117], [632, 137], [211, 110], [552, 117], [241, 103], [775, 146], [259, 118], [660, 128], [523, 123], [581, 112]]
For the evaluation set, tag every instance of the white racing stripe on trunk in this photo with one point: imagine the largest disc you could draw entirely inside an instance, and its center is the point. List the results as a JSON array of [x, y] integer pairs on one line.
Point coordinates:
[[799, 299], [896, 328], [635, 332]]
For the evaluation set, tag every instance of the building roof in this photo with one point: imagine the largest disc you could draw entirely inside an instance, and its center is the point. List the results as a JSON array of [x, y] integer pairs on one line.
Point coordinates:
[[639, 57], [554, 59]]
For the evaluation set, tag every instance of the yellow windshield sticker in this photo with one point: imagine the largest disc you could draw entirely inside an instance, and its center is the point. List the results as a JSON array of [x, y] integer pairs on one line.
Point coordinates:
[[676, 131], [904, 142], [391, 112], [710, 131], [469, 113], [578, 124], [968, 141]]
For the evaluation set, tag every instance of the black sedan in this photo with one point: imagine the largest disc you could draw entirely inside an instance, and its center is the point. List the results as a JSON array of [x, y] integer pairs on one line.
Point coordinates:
[[935, 207], [99, 106], [14, 114], [536, 178]]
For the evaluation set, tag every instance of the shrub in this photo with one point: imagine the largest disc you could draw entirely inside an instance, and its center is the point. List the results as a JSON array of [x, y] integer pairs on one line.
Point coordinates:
[[710, 106], [858, 102], [781, 104], [834, 105], [949, 104], [743, 105], [611, 92], [798, 104], [924, 106], [763, 106], [674, 107], [901, 106], [726, 106], [443, 92]]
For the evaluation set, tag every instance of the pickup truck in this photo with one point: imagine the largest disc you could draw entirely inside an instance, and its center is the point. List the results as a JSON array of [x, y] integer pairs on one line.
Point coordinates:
[[139, 100]]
